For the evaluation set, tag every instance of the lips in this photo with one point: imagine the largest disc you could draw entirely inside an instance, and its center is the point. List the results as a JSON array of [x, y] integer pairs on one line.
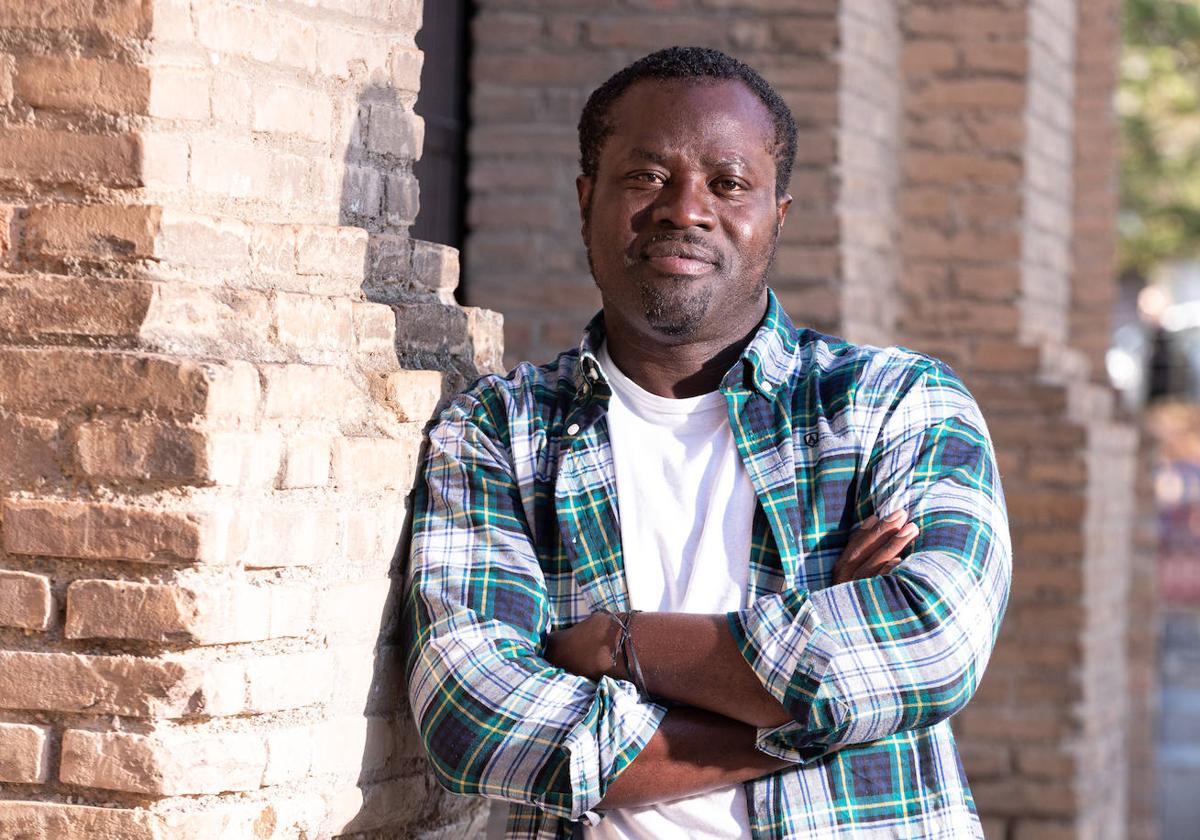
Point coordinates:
[[673, 257]]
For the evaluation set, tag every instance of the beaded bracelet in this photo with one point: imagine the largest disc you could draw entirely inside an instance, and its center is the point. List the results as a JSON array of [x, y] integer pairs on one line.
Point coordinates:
[[624, 648]]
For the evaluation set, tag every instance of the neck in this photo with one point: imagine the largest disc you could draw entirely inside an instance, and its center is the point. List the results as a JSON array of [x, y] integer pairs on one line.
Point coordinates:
[[674, 370]]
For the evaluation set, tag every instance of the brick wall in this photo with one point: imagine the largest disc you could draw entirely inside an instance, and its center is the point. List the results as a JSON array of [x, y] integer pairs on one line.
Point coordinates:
[[996, 211], [218, 347]]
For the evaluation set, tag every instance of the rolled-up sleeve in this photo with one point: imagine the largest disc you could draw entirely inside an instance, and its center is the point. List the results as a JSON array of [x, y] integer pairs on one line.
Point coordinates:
[[858, 661], [497, 719]]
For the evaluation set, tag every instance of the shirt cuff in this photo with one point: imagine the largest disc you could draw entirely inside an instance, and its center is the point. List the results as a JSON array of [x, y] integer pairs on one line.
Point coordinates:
[[615, 729], [783, 640]]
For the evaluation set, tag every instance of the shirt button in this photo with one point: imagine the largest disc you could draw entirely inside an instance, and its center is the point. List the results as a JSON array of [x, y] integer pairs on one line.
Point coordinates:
[[573, 429]]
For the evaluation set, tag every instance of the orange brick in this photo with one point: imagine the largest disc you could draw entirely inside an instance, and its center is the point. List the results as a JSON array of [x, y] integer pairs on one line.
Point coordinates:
[[103, 685], [83, 84], [46, 155], [165, 763], [25, 601], [956, 94], [50, 379], [98, 230], [24, 753], [118, 17], [146, 450], [217, 613], [96, 531], [48, 306], [33, 451], [8, 65]]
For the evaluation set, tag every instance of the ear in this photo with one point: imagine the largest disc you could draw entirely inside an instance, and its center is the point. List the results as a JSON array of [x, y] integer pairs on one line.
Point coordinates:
[[781, 210], [583, 189]]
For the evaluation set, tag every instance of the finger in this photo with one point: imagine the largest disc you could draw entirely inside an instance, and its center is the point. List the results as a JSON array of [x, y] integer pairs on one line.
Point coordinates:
[[887, 557], [865, 542]]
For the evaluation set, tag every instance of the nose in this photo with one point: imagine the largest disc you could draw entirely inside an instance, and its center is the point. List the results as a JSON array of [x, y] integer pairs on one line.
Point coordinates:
[[684, 203]]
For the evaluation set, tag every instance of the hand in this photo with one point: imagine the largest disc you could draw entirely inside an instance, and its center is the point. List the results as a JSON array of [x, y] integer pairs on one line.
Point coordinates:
[[584, 649], [874, 547]]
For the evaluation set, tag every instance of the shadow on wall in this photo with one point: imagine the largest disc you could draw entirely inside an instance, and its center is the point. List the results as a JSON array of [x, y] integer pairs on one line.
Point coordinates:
[[439, 348]]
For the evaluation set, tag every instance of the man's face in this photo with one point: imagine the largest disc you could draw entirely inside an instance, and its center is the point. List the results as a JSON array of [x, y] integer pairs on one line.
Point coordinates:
[[681, 220]]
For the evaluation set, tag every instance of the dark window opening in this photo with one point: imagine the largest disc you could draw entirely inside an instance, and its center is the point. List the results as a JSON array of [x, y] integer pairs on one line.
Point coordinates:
[[442, 102]]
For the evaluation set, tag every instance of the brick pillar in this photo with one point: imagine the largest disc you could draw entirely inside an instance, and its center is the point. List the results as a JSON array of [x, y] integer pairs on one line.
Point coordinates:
[[997, 218], [218, 347]]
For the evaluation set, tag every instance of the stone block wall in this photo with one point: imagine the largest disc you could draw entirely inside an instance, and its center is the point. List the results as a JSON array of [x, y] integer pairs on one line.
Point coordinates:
[[218, 348]]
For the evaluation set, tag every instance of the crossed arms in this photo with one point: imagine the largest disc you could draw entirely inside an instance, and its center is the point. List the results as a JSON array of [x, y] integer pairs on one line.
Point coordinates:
[[818, 669]]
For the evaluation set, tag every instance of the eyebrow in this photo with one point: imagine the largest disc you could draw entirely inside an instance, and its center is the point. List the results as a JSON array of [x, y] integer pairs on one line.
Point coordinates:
[[714, 163]]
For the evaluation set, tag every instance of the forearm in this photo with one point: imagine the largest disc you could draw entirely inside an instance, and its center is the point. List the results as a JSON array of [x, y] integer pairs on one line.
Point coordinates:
[[693, 659], [693, 751]]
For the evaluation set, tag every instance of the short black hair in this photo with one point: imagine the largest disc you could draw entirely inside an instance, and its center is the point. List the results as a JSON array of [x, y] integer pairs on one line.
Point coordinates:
[[685, 63]]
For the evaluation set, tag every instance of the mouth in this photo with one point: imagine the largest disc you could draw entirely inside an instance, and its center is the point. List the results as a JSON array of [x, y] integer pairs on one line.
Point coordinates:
[[678, 258]]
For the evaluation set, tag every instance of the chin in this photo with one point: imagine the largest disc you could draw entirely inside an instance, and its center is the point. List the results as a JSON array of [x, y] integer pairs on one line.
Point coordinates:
[[675, 314]]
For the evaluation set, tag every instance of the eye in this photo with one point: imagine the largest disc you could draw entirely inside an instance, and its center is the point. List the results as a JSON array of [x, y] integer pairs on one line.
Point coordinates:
[[729, 185], [648, 177]]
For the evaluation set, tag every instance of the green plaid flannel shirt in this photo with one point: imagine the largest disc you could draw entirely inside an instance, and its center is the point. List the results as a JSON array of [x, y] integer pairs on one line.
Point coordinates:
[[516, 534]]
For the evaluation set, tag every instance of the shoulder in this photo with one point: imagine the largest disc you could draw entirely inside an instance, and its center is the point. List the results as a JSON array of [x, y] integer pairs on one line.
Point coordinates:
[[863, 370], [501, 405]]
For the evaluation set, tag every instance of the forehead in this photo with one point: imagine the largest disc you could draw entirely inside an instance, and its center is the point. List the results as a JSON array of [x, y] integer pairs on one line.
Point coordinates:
[[679, 115]]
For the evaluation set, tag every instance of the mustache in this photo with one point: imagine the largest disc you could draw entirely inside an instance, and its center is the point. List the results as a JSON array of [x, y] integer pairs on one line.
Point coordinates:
[[678, 245]]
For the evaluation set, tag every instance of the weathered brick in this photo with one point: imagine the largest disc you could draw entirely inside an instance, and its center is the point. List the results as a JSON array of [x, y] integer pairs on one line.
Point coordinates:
[[24, 753], [180, 93], [375, 463], [431, 327], [46, 155], [8, 66], [147, 450], [45, 380], [25, 601], [307, 322], [271, 682], [116, 685], [355, 609], [283, 109], [165, 161], [238, 28], [405, 68], [215, 613], [99, 531], [85, 84], [395, 131], [33, 451], [414, 393], [164, 763], [289, 390], [48, 306], [306, 463], [118, 17], [266, 538], [98, 230]]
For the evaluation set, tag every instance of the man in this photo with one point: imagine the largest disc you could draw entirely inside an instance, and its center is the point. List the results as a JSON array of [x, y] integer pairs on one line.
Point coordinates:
[[745, 484]]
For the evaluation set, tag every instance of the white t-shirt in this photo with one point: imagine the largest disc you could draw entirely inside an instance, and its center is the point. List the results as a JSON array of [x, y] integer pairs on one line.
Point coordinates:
[[686, 508]]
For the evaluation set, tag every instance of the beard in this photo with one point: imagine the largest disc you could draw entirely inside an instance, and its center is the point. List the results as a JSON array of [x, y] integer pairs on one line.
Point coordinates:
[[675, 306], [673, 309]]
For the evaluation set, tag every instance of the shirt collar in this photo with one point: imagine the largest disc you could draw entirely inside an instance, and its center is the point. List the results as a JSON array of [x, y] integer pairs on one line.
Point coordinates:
[[765, 365]]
